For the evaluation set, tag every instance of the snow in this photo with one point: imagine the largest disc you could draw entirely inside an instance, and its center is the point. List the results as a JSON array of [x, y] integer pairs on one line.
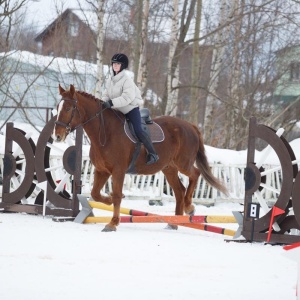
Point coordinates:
[[56, 64], [42, 259]]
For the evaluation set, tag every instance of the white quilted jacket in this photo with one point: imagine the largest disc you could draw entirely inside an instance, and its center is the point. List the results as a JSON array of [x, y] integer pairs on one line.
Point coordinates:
[[123, 92]]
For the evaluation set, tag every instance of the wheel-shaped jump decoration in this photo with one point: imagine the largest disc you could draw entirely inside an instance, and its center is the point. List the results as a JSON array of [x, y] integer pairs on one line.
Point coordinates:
[[67, 164], [259, 180], [33, 165], [18, 172], [56, 193]]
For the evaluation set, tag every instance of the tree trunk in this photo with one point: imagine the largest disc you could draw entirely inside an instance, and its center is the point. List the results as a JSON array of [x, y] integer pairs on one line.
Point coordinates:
[[100, 43], [195, 75], [217, 62], [177, 45], [172, 80], [137, 37], [142, 70], [234, 106]]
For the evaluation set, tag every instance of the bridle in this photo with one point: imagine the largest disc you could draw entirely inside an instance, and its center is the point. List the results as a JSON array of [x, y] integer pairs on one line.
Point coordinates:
[[74, 109]]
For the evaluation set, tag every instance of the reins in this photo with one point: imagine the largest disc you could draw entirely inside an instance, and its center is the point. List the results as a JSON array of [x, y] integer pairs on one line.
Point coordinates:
[[98, 114]]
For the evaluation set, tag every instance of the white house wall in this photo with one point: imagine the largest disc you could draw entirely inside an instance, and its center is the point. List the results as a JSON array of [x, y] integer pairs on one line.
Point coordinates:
[[19, 85]]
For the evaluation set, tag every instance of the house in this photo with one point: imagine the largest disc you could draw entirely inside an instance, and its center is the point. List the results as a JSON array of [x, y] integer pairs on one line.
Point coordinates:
[[286, 94], [288, 70], [29, 84], [73, 35]]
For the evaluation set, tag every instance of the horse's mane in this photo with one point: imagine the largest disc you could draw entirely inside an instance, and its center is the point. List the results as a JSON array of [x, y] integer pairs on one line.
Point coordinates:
[[92, 97], [89, 96]]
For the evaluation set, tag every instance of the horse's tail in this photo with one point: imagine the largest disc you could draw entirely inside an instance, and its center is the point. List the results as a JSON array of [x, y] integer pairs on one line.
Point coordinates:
[[203, 166]]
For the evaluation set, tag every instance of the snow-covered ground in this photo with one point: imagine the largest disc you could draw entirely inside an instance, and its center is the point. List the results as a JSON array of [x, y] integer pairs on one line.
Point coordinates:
[[42, 259]]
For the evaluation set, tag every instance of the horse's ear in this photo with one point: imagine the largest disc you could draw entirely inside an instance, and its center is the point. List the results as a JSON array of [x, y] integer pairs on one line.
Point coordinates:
[[61, 90], [72, 89]]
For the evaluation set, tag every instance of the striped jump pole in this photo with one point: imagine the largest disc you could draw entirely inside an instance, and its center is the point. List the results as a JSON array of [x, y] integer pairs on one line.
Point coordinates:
[[163, 219], [176, 219], [137, 213]]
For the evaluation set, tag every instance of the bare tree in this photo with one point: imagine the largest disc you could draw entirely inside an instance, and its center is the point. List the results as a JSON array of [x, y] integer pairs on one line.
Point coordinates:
[[142, 70], [100, 43], [243, 77], [172, 72], [243, 36], [9, 19], [179, 34], [195, 75], [218, 59]]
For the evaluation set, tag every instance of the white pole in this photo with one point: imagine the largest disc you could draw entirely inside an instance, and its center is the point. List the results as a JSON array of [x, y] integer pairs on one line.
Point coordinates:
[[43, 186], [268, 149]]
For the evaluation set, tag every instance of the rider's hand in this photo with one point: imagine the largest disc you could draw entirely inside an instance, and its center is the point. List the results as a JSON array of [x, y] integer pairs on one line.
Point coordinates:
[[108, 104]]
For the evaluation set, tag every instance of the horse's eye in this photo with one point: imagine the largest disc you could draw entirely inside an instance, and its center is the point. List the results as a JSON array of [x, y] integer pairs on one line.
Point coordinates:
[[68, 108]]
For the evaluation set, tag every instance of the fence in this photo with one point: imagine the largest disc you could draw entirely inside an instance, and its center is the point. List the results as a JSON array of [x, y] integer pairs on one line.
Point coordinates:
[[155, 187]]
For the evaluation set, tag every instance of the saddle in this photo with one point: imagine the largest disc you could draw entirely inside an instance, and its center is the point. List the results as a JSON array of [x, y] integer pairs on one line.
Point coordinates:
[[153, 130], [148, 125]]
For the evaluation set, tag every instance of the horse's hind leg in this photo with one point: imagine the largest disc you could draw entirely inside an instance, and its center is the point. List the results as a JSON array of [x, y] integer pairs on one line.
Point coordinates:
[[100, 178], [171, 175], [189, 208]]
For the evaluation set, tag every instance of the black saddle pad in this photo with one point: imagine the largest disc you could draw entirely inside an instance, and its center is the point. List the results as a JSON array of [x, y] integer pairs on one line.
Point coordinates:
[[156, 133]]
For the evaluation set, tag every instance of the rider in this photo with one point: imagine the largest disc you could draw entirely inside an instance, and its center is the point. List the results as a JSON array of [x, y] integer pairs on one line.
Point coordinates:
[[122, 94]]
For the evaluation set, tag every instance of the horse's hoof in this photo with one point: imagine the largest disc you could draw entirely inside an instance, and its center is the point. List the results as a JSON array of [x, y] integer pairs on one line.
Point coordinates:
[[172, 227], [109, 229], [190, 212]]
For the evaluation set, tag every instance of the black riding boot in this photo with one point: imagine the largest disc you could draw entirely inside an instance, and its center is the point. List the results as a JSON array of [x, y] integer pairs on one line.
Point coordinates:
[[152, 156]]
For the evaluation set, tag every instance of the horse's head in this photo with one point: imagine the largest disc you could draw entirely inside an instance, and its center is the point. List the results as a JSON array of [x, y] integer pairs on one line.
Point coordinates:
[[68, 115]]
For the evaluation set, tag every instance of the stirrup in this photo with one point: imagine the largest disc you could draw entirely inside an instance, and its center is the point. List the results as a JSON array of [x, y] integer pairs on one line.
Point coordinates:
[[152, 158]]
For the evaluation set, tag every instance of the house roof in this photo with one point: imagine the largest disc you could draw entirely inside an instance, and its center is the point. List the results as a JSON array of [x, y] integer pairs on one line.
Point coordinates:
[[287, 49], [88, 17], [56, 64]]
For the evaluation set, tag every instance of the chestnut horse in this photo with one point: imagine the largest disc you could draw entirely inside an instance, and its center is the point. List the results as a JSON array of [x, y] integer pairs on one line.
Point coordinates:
[[111, 150]]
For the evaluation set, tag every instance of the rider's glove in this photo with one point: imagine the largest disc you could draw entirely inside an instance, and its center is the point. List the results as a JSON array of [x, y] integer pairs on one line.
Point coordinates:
[[108, 104]]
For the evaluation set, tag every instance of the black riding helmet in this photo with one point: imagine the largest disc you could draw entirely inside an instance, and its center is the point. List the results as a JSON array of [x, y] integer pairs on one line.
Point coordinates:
[[120, 58]]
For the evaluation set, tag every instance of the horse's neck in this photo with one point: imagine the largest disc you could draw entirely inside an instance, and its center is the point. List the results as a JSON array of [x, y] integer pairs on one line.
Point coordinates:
[[99, 126]]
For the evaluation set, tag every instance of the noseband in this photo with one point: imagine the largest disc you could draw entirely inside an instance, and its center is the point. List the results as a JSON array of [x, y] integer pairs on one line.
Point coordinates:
[[74, 109]]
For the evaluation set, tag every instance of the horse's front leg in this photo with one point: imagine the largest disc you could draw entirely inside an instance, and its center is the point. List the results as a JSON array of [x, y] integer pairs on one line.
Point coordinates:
[[100, 178], [118, 180]]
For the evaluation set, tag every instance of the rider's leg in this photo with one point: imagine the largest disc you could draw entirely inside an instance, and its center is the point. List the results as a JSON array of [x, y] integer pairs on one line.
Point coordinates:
[[135, 118]]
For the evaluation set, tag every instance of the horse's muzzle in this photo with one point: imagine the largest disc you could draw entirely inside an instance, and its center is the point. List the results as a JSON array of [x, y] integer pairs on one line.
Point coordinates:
[[58, 137]]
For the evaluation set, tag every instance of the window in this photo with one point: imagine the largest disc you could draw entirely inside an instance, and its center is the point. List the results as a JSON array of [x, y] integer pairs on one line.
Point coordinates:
[[73, 28], [295, 71], [78, 55], [39, 47]]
